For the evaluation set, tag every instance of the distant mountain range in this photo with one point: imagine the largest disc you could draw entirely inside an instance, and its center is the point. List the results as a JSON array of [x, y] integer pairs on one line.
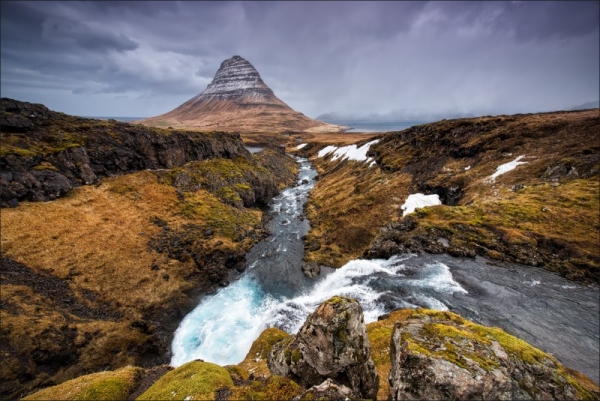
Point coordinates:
[[395, 115], [413, 115], [588, 105]]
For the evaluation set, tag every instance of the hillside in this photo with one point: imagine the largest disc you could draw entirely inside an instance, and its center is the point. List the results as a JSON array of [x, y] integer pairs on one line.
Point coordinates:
[[99, 277], [542, 213], [112, 232]]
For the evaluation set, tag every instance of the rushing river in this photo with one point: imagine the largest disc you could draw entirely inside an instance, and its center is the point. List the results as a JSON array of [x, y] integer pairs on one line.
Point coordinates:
[[556, 315]]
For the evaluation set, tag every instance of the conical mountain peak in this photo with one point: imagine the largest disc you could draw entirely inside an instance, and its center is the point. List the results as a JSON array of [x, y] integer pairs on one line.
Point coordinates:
[[234, 75], [238, 99]]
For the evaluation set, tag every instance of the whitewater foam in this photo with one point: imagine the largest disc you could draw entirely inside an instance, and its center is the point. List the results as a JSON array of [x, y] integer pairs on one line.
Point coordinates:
[[221, 329]]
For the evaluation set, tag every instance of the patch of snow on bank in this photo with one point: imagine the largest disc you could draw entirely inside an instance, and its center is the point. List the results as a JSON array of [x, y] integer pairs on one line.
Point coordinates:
[[326, 150], [505, 168], [350, 152], [300, 146], [419, 200]]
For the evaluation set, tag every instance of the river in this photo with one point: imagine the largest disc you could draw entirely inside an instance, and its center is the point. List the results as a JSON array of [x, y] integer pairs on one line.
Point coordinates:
[[549, 312]]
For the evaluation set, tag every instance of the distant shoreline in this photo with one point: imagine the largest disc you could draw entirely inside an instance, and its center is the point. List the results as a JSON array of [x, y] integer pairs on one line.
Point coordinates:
[[123, 119], [352, 126]]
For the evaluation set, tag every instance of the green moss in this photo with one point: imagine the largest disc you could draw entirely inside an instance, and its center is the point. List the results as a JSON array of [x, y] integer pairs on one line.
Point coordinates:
[[412, 345], [255, 360], [227, 221], [296, 355], [117, 385], [42, 167], [237, 372], [275, 388], [229, 195], [198, 380], [7, 149]]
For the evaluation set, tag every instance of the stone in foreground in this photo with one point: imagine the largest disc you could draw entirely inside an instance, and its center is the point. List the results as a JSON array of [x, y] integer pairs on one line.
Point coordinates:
[[439, 355], [332, 344]]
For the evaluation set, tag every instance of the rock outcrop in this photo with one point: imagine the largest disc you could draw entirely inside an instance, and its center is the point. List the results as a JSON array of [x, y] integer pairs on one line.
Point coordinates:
[[439, 355], [45, 154], [238, 99], [433, 355], [332, 344]]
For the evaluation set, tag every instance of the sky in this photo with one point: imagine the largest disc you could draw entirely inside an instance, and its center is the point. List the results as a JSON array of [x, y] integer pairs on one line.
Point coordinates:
[[141, 59]]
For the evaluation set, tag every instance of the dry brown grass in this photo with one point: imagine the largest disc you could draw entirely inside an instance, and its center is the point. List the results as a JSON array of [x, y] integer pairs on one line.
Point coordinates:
[[347, 207], [96, 239], [97, 236], [351, 201]]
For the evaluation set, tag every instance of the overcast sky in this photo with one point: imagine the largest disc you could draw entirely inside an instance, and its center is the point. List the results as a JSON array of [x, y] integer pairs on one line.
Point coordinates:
[[143, 59]]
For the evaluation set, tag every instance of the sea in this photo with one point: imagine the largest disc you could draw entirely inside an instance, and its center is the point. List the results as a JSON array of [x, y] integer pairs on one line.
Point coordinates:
[[357, 125], [123, 119], [376, 126]]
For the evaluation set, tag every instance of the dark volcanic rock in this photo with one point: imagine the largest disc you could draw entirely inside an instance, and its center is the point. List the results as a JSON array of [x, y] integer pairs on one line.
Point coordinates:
[[45, 154], [332, 344]]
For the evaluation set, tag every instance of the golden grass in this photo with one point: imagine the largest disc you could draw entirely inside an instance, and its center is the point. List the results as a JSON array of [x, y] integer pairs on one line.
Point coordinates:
[[101, 232], [96, 239], [109, 386], [346, 209]]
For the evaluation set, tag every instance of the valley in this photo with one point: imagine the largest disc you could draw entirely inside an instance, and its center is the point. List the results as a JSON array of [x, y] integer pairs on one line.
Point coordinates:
[[104, 272]]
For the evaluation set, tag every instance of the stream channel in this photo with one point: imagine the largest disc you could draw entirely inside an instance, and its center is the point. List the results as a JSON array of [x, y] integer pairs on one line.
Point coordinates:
[[558, 316]]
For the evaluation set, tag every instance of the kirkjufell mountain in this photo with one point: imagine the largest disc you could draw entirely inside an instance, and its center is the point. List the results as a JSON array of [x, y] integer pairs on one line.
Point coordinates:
[[238, 99]]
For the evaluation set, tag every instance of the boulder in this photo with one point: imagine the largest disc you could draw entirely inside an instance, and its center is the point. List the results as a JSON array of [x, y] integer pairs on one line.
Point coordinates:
[[332, 344], [328, 390], [439, 355]]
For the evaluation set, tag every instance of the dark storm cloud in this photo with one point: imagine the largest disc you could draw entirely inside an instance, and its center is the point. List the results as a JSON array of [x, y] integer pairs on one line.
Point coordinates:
[[149, 57]]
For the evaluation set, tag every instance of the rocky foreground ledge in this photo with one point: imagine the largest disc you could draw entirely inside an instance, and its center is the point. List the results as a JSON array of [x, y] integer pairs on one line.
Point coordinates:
[[408, 354]]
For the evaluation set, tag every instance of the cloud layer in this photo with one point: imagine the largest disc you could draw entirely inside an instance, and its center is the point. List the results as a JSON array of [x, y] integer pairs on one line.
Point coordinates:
[[146, 58]]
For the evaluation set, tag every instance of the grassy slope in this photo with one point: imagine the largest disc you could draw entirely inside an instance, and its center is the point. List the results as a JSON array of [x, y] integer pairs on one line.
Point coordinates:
[[97, 239], [550, 218]]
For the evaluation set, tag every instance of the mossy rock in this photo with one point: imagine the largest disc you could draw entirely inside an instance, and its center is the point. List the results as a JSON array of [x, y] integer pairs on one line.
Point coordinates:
[[256, 359], [193, 381], [111, 385], [274, 388], [475, 348]]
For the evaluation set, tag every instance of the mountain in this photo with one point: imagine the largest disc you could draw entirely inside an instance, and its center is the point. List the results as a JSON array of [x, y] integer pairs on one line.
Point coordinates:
[[588, 105], [238, 99]]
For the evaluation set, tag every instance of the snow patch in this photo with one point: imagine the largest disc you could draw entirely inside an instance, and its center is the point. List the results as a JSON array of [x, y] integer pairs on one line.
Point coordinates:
[[505, 168], [419, 200], [300, 146], [350, 152], [326, 150]]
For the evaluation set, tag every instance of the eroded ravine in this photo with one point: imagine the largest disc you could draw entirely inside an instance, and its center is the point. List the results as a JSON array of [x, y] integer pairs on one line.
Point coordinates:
[[548, 311]]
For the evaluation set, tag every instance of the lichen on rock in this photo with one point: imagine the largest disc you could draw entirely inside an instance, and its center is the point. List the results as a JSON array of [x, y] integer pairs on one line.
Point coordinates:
[[439, 355]]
